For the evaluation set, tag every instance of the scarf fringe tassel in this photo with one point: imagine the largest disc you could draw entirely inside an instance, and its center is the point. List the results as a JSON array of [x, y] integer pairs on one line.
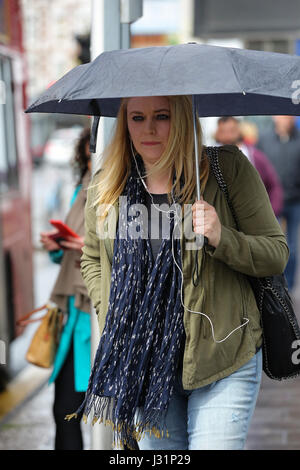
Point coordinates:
[[123, 433]]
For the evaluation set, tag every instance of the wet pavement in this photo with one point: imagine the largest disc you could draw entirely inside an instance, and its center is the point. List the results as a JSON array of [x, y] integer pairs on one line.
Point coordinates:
[[29, 424], [276, 420]]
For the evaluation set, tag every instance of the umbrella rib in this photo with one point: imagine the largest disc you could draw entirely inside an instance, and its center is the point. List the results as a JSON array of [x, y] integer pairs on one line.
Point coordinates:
[[235, 71], [77, 81], [160, 65]]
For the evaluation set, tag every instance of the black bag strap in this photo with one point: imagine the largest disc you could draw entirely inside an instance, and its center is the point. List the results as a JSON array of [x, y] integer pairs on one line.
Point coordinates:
[[213, 156]]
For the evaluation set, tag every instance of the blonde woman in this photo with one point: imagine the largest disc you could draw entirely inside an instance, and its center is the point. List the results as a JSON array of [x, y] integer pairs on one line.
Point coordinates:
[[179, 361]]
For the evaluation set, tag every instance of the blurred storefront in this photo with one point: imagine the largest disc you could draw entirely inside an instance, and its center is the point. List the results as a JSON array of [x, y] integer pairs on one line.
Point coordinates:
[[160, 24]]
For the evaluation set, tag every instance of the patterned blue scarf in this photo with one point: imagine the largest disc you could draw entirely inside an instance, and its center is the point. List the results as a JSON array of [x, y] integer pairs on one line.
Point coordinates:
[[137, 358]]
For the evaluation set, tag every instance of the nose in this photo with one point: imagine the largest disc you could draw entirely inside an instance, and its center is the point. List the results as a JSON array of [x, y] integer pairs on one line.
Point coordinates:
[[151, 126]]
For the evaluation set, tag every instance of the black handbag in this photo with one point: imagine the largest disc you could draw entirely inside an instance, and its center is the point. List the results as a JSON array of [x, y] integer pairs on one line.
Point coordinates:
[[281, 332]]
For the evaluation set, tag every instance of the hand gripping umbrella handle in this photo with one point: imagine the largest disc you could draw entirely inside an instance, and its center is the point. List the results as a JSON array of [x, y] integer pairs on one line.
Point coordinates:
[[200, 239]]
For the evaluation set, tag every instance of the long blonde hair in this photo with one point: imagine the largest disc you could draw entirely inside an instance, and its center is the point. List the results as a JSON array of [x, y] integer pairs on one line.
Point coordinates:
[[178, 156]]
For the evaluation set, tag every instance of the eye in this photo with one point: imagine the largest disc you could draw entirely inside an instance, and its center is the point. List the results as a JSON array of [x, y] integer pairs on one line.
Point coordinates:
[[162, 117], [137, 118]]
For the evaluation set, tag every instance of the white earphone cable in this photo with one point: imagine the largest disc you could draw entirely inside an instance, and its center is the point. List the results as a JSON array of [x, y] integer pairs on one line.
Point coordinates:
[[177, 220]]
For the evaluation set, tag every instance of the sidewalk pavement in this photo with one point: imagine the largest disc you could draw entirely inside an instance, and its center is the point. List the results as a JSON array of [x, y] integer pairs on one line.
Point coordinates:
[[30, 426], [276, 420]]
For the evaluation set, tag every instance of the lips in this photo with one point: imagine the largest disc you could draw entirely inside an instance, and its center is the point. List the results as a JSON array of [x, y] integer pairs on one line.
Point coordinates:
[[150, 143]]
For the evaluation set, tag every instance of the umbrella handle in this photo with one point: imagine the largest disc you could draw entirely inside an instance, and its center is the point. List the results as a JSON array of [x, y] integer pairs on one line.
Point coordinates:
[[201, 240]]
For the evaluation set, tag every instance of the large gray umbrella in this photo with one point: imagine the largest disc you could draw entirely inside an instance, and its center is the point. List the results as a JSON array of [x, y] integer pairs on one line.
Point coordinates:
[[222, 81]]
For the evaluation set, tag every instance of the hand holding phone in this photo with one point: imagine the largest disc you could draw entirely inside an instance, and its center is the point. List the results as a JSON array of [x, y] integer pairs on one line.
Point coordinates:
[[48, 242], [65, 237], [64, 231], [73, 243]]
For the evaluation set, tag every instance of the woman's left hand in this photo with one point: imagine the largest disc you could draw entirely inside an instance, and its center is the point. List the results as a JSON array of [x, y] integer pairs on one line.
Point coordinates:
[[73, 243], [206, 222]]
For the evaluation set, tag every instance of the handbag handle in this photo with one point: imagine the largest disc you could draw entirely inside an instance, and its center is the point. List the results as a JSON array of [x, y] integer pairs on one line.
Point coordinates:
[[23, 321]]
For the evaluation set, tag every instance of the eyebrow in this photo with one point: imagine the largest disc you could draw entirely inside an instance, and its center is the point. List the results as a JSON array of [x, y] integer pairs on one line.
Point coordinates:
[[156, 111]]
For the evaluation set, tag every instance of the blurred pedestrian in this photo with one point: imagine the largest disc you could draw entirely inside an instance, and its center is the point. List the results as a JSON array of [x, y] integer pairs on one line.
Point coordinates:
[[229, 132], [179, 361], [249, 132], [72, 362], [282, 146]]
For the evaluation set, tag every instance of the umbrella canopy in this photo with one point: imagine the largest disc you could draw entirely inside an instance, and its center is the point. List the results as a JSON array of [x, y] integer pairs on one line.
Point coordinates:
[[223, 81]]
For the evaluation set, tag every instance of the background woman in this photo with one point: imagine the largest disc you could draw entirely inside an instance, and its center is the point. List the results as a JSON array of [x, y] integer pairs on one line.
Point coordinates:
[[72, 362]]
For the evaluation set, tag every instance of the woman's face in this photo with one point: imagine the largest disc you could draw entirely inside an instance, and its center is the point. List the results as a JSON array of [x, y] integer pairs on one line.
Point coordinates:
[[149, 126]]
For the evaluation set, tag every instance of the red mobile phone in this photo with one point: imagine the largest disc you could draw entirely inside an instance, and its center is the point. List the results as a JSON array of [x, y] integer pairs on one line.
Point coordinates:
[[63, 231]]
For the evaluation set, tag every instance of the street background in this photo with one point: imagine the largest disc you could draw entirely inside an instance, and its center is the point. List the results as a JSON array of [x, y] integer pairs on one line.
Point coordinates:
[[56, 38]]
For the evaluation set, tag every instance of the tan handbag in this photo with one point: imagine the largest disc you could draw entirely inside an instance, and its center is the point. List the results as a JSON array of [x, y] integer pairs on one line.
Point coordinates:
[[44, 343]]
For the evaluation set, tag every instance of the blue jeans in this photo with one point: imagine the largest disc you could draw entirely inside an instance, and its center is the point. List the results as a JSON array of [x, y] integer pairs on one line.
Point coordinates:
[[291, 213], [216, 416]]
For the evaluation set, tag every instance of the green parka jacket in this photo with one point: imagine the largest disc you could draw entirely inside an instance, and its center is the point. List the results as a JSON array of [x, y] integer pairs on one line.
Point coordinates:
[[224, 293]]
